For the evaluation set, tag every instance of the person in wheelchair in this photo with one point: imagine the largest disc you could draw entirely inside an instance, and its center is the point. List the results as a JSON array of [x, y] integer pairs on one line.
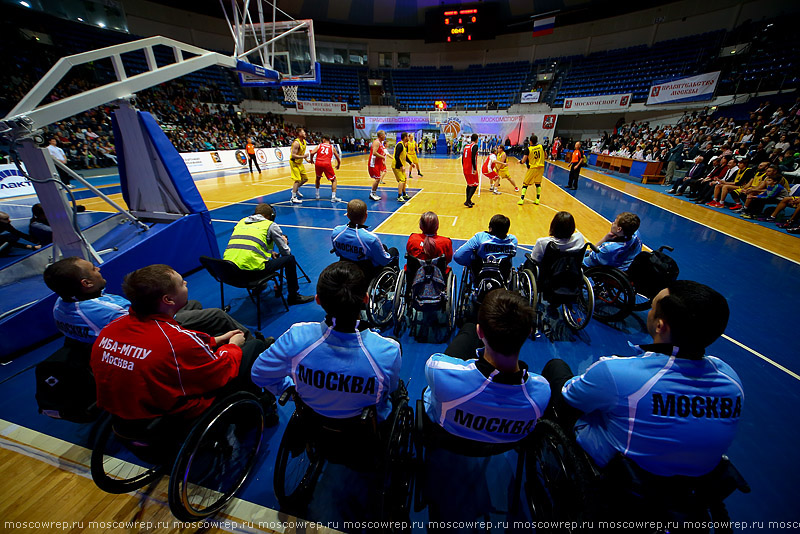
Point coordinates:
[[428, 245], [672, 410], [336, 367], [146, 365], [562, 234], [353, 242], [496, 243], [479, 389], [619, 246]]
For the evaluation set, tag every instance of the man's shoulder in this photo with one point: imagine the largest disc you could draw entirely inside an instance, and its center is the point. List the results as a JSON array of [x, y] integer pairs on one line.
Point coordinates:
[[448, 364]]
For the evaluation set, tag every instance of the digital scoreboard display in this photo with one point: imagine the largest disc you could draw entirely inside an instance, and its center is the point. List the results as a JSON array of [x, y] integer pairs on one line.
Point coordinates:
[[460, 22]]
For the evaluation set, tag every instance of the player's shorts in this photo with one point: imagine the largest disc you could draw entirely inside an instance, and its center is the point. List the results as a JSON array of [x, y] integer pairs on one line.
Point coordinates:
[[298, 171], [399, 175], [492, 176], [534, 176], [375, 172], [327, 170], [472, 179], [502, 172], [413, 158]]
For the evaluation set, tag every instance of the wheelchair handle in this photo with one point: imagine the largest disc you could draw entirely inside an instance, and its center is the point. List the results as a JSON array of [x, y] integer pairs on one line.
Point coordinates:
[[665, 247], [287, 395], [593, 247]]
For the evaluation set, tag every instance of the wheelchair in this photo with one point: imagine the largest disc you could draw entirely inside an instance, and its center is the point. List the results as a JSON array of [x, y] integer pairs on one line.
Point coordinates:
[[564, 485], [560, 280], [492, 273], [207, 460], [380, 291], [431, 302], [360, 443], [619, 293]]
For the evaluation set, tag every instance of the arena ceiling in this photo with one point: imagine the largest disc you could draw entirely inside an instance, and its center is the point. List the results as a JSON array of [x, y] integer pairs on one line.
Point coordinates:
[[393, 19]]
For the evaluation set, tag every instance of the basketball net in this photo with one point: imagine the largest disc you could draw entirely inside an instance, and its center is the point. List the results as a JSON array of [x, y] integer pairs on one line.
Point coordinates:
[[290, 93]]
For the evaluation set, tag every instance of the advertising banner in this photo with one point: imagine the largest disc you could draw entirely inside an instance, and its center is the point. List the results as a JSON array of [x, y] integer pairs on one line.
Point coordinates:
[[512, 127], [13, 183], [236, 159], [694, 88], [530, 98], [595, 103], [328, 108]]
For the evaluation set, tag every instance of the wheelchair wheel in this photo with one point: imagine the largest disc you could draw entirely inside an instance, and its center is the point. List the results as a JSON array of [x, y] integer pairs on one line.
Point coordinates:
[[556, 477], [527, 287], [613, 293], [464, 306], [399, 303], [451, 307], [116, 466], [579, 313], [297, 467], [381, 297], [398, 489], [216, 458]]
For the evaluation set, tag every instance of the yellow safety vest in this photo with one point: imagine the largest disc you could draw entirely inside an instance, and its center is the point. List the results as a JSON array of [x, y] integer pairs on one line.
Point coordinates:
[[248, 247]]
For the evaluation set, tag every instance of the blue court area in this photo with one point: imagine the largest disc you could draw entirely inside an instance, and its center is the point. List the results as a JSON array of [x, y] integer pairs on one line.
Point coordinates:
[[757, 284]]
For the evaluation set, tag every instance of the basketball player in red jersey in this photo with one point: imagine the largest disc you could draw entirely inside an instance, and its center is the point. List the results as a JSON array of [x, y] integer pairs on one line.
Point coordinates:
[[490, 173], [322, 165], [469, 164], [377, 164]]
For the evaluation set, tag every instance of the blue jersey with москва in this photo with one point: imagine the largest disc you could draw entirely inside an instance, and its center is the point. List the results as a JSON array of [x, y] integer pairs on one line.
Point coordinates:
[[619, 254], [356, 243], [670, 415], [483, 245], [83, 319], [473, 400], [337, 374]]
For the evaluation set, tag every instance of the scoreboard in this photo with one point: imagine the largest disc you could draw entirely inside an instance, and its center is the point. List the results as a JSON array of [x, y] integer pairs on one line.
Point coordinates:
[[460, 22]]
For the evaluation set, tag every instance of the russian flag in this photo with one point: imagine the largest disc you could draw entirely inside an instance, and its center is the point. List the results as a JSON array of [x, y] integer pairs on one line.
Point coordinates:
[[543, 26]]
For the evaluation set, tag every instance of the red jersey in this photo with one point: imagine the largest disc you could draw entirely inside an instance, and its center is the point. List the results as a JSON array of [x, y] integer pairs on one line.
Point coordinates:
[[376, 162], [416, 247], [488, 165], [324, 155], [149, 367], [467, 157]]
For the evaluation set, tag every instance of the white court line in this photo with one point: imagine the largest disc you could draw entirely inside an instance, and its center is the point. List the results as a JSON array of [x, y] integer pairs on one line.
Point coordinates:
[[454, 220], [680, 215], [398, 210], [756, 353]]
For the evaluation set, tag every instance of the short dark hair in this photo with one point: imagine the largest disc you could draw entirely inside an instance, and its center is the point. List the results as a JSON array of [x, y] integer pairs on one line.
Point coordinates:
[[506, 321], [266, 211], [499, 225], [474, 137], [629, 222], [64, 277], [534, 139], [403, 136], [356, 209], [696, 314], [341, 289], [563, 225], [144, 287]]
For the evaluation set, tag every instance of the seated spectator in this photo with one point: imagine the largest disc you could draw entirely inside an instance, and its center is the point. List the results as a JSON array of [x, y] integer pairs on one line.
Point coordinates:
[[672, 398], [480, 377], [496, 243], [739, 193], [562, 233], [694, 172], [744, 175], [712, 172], [10, 236], [619, 246], [786, 202], [83, 308], [146, 365], [428, 245], [353, 242], [337, 367], [39, 227], [251, 248], [705, 191], [775, 189]]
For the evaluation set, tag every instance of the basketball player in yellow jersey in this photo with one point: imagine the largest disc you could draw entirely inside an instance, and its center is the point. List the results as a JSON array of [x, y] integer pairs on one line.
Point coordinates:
[[296, 158], [535, 158], [501, 166], [412, 155]]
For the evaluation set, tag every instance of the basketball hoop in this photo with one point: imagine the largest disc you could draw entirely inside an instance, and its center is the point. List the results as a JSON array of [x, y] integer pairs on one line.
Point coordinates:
[[289, 93]]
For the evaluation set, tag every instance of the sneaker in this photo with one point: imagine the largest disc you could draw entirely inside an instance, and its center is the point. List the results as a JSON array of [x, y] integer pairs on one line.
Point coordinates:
[[406, 197], [536, 201], [373, 196], [735, 207], [401, 199], [672, 191], [419, 174], [497, 192], [767, 219], [299, 194], [793, 230], [713, 204], [784, 225], [516, 189], [334, 198], [521, 202], [297, 298], [296, 200], [747, 216], [468, 204], [316, 193]]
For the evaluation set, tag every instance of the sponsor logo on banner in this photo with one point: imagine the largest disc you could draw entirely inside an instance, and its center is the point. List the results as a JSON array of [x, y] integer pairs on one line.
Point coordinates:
[[13, 183], [278, 154], [531, 97], [216, 159], [261, 155], [312, 106], [360, 123], [593, 103], [549, 122], [452, 126], [241, 157], [693, 88]]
